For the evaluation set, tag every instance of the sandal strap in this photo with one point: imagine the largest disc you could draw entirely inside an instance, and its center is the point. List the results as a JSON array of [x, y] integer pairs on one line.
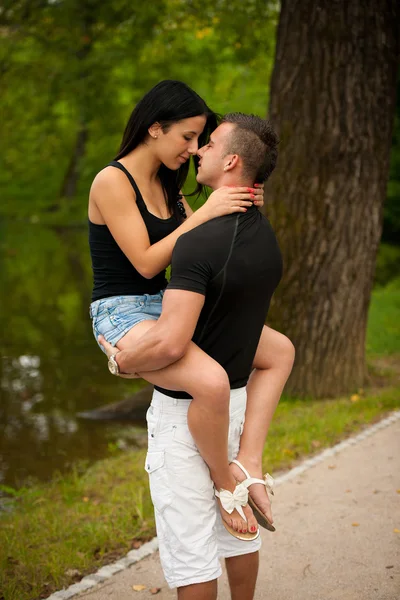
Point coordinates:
[[231, 501], [268, 481], [250, 480], [239, 464]]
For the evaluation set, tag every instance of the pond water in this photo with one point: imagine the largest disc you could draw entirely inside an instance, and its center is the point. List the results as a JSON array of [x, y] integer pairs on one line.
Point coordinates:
[[51, 367]]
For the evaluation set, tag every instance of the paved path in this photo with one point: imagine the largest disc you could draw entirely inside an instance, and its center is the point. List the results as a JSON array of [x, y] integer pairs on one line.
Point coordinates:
[[336, 533]]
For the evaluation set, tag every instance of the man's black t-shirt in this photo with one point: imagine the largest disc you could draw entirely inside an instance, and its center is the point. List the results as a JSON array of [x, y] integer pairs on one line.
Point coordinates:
[[236, 263]]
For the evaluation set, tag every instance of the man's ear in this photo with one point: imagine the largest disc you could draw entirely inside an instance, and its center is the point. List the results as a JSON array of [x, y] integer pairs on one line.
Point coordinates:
[[155, 130], [230, 162]]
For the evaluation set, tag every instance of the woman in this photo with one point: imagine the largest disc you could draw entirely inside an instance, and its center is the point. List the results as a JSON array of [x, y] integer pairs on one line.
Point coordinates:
[[136, 214]]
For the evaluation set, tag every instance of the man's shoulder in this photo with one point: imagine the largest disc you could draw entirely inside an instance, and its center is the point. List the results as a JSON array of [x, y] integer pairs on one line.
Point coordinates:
[[225, 222], [206, 243], [208, 231]]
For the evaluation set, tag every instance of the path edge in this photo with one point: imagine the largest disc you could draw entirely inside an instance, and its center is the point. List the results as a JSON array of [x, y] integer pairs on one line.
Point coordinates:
[[150, 547]]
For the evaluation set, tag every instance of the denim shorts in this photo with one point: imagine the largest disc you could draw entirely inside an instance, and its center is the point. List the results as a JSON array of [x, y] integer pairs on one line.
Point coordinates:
[[114, 317]]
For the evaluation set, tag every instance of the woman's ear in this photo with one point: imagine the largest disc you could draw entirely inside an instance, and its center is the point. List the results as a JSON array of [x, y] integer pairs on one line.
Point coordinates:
[[154, 130]]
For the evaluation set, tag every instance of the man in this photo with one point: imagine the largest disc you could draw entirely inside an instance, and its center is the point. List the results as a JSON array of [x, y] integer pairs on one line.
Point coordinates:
[[224, 273]]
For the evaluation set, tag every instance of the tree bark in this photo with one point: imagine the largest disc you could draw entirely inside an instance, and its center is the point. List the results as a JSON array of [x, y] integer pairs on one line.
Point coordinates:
[[71, 178], [332, 101]]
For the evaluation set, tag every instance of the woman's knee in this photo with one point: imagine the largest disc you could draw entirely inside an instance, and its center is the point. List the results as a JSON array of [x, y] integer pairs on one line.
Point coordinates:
[[287, 351], [214, 383], [275, 352]]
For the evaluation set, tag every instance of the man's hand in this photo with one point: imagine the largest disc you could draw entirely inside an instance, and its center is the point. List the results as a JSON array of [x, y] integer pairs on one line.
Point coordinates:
[[110, 350]]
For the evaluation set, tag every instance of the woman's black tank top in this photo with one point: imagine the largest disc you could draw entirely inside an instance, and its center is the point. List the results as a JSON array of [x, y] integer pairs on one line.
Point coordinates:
[[113, 273]]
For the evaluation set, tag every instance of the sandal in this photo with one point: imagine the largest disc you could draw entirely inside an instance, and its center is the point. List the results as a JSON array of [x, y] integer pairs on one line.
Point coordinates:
[[235, 500], [268, 481]]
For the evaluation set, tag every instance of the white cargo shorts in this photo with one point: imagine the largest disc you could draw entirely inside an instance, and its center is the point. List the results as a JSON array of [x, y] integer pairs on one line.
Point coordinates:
[[190, 532]]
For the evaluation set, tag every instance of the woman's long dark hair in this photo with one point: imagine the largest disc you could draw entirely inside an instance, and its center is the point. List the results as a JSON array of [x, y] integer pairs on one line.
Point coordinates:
[[166, 103]]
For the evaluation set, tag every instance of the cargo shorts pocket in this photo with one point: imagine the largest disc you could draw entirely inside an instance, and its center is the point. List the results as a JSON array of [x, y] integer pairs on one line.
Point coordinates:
[[160, 490], [182, 435]]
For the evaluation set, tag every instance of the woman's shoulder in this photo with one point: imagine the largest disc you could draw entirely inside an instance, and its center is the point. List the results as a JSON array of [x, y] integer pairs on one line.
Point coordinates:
[[111, 181]]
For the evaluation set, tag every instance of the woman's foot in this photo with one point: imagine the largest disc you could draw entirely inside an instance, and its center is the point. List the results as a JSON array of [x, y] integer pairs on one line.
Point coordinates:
[[234, 519], [257, 491]]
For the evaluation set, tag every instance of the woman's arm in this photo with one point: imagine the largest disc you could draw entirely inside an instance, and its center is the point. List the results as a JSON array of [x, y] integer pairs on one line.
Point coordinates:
[[116, 201]]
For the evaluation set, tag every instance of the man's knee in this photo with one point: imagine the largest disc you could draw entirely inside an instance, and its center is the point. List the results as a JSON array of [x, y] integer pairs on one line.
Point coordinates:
[[199, 591]]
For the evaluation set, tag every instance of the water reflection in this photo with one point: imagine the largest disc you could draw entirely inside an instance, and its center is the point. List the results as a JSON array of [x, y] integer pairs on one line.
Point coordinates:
[[50, 367]]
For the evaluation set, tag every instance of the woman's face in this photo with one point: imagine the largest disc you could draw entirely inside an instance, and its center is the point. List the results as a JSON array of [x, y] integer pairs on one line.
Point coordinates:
[[179, 142]]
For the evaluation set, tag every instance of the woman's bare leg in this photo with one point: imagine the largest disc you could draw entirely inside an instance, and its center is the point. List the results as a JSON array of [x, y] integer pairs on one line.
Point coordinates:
[[272, 364], [208, 416]]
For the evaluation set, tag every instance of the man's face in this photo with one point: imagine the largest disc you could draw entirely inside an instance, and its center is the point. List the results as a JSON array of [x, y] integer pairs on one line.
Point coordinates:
[[212, 157]]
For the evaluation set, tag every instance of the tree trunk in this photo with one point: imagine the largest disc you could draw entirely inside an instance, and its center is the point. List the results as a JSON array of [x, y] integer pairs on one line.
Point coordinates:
[[71, 178], [332, 101]]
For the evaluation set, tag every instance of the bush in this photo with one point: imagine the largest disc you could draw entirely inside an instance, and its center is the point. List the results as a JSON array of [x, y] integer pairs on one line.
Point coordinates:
[[387, 264]]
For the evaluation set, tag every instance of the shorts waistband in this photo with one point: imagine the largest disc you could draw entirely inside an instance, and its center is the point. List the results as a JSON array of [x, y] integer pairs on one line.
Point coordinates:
[[112, 301], [181, 405]]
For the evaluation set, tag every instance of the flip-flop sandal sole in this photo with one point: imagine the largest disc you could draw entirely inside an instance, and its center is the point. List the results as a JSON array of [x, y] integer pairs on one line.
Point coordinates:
[[260, 517], [245, 537]]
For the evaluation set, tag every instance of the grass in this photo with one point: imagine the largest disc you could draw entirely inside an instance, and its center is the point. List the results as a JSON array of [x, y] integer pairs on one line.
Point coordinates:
[[61, 531], [383, 333]]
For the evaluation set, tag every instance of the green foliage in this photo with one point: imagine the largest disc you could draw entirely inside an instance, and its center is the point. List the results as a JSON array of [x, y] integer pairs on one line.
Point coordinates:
[[387, 264], [70, 68], [383, 333]]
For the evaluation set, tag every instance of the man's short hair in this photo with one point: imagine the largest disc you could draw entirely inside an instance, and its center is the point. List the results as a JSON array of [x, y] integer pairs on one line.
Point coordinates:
[[255, 141]]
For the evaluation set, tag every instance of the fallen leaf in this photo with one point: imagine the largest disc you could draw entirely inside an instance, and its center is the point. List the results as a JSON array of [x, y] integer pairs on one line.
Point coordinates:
[[354, 398], [347, 491], [138, 588], [396, 530], [287, 451], [136, 544], [398, 491], [155, 590], [355, 524], [73, 573], [331, 466], [39, 501], [389, 566], [315, 443], [375, 492], [85, 499]]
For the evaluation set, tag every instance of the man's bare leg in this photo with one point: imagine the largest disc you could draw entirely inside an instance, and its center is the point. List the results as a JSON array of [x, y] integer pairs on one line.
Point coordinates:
[[273, 363], [242, 575], [199, 591]]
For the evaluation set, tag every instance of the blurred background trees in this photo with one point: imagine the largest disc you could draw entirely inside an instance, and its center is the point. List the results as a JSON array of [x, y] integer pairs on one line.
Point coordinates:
[[72, 70]]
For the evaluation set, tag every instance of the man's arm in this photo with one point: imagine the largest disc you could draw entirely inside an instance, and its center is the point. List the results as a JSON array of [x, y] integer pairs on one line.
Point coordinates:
[[168, 340]]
